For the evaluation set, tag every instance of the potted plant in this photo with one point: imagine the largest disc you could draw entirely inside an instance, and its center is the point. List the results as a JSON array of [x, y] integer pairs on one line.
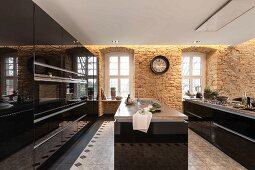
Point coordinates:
[[210, 94], [113, 93], [207, 93], [90, 93]]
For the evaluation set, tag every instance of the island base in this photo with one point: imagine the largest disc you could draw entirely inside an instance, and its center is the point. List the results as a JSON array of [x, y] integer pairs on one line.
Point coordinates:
[[164, 146]]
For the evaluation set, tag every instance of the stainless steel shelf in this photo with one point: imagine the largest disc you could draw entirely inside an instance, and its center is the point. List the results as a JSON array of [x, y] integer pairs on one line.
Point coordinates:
[[43, 77], [57, 68]]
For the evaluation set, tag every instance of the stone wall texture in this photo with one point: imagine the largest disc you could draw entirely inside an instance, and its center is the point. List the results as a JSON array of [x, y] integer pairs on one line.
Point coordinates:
[[110, 107], [230, 70]]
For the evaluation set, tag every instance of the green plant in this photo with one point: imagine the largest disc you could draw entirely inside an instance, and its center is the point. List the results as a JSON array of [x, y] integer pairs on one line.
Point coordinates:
[[113, 88], [208, 90], [215, 93], [208, 93]]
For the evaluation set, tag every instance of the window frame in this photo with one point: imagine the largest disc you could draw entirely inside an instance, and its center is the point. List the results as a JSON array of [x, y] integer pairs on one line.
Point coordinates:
[[5, 77], [87, 77], [190, 77], [108, 76]]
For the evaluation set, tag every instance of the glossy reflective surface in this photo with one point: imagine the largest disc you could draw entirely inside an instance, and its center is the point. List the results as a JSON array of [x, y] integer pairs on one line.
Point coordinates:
[[47, 100]]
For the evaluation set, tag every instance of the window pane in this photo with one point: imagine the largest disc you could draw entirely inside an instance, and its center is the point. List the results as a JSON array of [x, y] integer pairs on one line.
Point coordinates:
[[93, 83], [92, 66], [114, 59], [124, 87], [92, 72], [185, 66], [92, 59], [113, 83], [9, 87], [124, 59], [196, 83], [185, 86], [81, 90], [196, 66], [113, 66], [9, 73], [9, 60], [124, 65], [113, 72]]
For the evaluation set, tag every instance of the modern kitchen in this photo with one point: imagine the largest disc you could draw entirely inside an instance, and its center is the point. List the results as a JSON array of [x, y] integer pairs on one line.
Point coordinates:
[[127, 85]]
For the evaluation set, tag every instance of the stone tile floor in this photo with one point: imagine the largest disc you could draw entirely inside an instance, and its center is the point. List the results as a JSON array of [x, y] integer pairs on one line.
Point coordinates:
[[99, 153]]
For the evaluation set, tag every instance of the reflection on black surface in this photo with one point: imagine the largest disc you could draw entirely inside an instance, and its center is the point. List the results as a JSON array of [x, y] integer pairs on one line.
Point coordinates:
[[49, 104]]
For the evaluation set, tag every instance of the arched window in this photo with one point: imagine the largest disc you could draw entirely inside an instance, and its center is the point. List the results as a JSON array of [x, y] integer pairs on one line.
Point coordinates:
[[119, 73], [193, 72]]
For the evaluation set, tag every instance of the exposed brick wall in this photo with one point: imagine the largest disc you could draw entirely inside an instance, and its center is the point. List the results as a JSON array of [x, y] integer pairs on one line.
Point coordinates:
[[166, 87], [53, 54], [110, 107], [231, 70]]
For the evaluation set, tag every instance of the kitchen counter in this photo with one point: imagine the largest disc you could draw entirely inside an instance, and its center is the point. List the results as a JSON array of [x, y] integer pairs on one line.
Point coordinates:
[[227, 128], [167, 114], [230, 109]]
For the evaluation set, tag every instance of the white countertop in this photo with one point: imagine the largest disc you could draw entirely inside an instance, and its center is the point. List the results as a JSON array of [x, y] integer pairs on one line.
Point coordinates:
[[167, 114]]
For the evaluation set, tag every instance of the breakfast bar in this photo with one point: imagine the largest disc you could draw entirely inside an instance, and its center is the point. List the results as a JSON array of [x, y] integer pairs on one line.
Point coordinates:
[[168, 132]]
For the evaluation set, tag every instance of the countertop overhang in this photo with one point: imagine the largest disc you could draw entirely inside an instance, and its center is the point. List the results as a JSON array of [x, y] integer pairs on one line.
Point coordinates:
[[167, 114]]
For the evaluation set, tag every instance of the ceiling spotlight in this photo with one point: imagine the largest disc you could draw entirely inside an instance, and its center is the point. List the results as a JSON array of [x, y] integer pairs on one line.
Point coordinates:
[[115, 41], [75, 41], [197, 41]]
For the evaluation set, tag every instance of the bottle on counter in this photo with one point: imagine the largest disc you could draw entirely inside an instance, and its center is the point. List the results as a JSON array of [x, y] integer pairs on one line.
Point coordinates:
[[244, 99], [128, 99]]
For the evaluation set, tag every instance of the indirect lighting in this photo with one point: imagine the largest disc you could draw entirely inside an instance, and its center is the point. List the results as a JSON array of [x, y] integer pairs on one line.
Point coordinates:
[[226, 14], [197, 41], [115, 41]]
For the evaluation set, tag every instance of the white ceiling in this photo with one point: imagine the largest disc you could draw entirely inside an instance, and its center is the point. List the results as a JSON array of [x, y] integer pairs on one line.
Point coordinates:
[[146, 22]]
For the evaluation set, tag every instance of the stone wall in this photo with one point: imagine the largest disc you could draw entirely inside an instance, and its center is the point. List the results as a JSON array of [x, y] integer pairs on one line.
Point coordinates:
[[53, 54], [231, 70], [166, 87], [110, 107]]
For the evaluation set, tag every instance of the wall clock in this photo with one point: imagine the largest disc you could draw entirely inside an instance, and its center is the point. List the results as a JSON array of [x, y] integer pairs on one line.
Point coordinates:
[[159, 64]]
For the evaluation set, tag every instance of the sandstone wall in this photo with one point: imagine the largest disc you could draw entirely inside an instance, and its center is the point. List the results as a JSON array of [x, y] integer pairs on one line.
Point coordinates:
[[166, 87]]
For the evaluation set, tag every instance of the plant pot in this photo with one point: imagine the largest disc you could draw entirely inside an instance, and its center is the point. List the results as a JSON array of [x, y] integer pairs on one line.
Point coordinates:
[[90, 97], [113, 94], [207, 96]]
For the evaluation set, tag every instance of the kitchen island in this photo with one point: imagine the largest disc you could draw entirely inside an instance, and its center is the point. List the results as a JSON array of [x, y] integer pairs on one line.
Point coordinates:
[[164, 146]]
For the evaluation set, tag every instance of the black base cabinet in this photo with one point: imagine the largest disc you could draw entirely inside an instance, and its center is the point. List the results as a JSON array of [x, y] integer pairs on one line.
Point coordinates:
[[234, 134]]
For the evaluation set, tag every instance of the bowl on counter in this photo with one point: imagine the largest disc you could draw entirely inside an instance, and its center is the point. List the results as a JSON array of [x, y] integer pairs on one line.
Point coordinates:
[[118, 97], [222, 98]]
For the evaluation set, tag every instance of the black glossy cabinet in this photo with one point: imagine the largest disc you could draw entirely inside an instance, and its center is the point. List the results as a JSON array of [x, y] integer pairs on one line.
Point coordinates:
[[232, 133]]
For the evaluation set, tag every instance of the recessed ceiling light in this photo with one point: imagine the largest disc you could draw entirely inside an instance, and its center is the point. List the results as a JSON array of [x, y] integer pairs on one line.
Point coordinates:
[[115, 41], [197, 41]]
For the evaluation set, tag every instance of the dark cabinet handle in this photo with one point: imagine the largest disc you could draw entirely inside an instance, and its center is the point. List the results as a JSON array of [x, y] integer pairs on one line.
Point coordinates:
[[193, 114]]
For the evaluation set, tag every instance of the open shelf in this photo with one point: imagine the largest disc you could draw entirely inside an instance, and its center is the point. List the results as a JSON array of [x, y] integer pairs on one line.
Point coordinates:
[[57, 68], [49, 78]]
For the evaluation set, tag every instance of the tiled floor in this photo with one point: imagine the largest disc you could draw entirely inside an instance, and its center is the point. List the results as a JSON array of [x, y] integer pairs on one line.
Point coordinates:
[[99, 153]]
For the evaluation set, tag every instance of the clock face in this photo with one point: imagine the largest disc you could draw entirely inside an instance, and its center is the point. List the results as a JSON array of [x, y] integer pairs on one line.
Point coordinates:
[[159, 64]]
